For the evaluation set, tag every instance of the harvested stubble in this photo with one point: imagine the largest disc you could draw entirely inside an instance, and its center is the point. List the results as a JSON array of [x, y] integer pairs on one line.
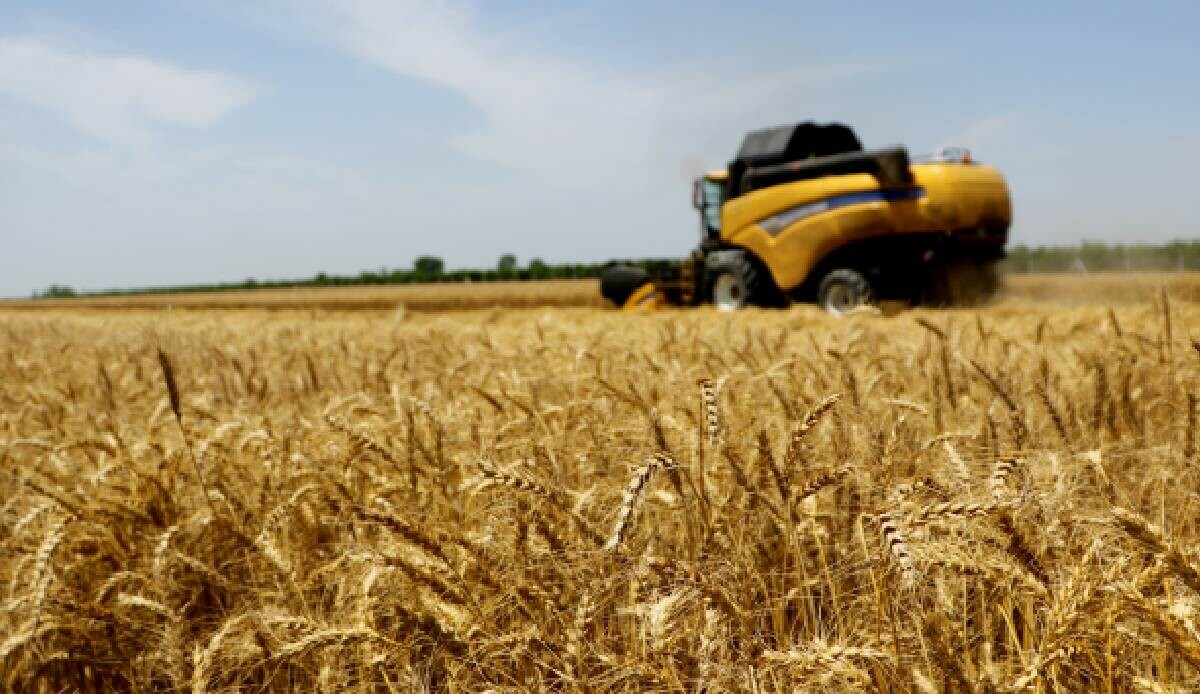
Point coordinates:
[[545, 501]]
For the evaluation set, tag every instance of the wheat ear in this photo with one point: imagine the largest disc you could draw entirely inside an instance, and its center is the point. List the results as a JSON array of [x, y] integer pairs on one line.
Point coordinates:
[[806, 426], [897, 544], [998, 482], [492, 474], [818, 656], [957, 464], [821, 481], [41, 563], [203, 657], [168, 372], [953, 509], [1020, 548], [1166, 625], [324, 638], [634, 492], [712, 411], [1153, 538], [1055, 416], [1033, 673], [998, 571]]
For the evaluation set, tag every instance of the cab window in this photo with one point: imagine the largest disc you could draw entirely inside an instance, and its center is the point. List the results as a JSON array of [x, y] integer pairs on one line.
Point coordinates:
[[712, 196]]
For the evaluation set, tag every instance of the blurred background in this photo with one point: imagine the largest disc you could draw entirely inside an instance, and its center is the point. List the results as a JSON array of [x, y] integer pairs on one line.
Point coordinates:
[[169, 143]]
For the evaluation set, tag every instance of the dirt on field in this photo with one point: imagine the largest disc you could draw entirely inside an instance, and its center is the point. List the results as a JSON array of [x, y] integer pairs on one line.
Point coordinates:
[[577, 499]]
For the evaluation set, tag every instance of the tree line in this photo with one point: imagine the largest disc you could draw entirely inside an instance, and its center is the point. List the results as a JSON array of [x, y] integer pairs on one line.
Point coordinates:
[[424, 270], [1090, 256], [1086, 257]]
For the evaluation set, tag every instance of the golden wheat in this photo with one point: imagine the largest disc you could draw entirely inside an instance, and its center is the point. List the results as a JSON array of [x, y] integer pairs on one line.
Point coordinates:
[[298, 501]]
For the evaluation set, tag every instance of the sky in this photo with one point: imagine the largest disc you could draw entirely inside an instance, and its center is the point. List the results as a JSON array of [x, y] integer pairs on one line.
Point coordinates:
[[182, 141]]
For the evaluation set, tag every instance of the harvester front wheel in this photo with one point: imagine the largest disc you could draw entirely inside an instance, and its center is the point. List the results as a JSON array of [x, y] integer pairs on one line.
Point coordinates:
[[729, 292], [842, 290], [733, 281]]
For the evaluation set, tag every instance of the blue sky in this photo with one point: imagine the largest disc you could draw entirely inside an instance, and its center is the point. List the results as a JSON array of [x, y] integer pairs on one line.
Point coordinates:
[[150, 143]]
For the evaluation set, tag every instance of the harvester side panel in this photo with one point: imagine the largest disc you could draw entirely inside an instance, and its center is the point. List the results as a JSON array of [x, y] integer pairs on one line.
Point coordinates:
[[792, 227]]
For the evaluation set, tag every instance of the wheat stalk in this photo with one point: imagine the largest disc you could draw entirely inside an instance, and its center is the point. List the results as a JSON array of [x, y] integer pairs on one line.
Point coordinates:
[[1189, 436], [168, 374]]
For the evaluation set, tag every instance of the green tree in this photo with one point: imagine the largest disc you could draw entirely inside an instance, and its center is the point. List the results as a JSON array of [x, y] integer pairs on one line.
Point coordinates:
[[57, 291], [508, 263], [538, 269], [429, 265]]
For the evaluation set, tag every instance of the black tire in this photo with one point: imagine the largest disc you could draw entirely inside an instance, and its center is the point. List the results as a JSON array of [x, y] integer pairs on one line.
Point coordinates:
[[733, 280], [843, 289], [618, 282]]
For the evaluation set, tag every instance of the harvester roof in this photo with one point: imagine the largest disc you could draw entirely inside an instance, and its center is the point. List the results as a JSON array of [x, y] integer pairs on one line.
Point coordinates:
[[792, 142], [789, 143]]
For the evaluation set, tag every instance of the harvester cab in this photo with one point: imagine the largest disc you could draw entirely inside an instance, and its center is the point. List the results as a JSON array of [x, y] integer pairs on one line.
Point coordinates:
[[708, 195], [803, 213]]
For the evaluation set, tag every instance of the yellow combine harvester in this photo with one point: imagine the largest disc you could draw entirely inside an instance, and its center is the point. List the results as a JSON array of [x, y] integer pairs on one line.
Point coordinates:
[[804, 213]]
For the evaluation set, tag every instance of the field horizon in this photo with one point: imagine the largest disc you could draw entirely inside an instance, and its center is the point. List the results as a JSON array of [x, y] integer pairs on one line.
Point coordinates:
[[1059, 288]]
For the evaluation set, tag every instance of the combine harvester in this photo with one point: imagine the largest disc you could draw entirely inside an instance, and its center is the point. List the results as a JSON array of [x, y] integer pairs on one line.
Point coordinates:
[[804, 214]]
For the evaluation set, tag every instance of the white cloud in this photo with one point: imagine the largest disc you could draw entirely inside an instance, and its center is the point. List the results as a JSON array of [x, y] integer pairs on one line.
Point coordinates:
[[596, 160], [544, 115], [539, 113], [114, 98]]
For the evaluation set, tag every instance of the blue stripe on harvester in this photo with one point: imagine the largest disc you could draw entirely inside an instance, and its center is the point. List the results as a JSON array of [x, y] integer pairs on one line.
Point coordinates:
[[781, 220], [881, 195]]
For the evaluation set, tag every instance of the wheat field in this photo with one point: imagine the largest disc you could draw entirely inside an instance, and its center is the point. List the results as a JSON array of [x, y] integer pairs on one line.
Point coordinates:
[[412, 297], [1065, 289], [579, 500]]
